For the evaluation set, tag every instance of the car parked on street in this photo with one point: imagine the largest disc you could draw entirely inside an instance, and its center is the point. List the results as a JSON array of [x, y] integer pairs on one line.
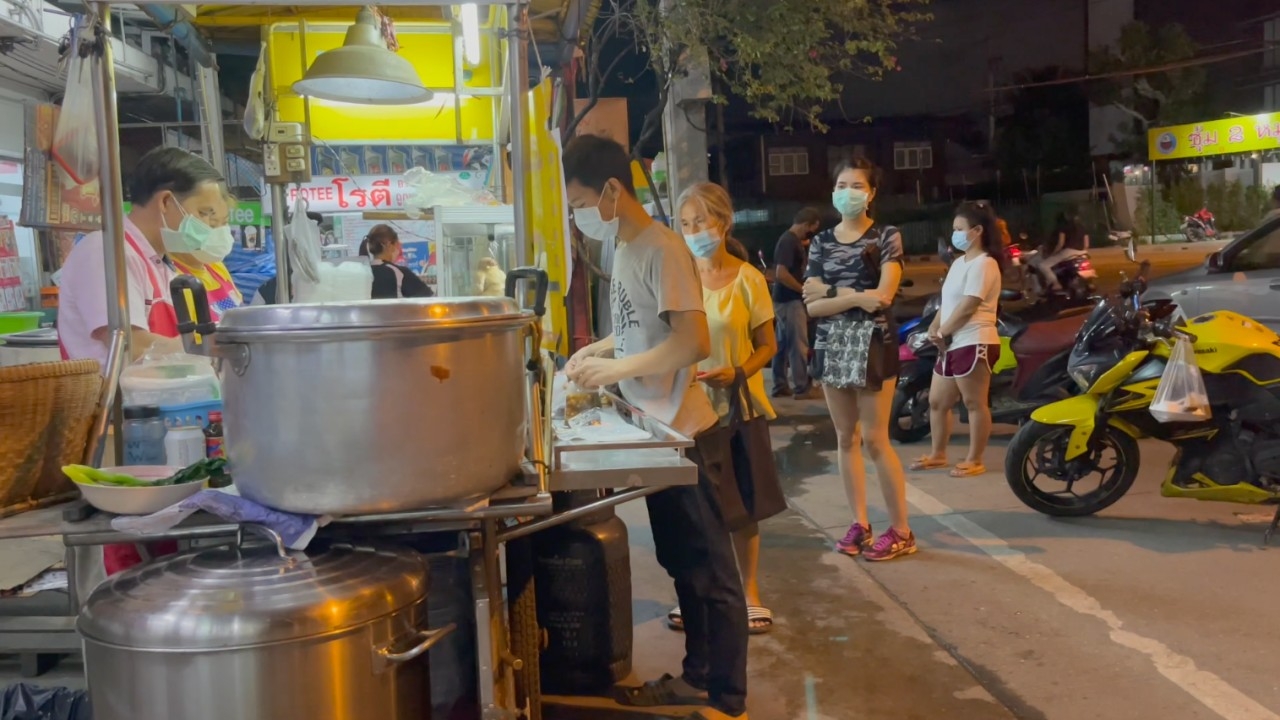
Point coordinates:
[[1243, 277]]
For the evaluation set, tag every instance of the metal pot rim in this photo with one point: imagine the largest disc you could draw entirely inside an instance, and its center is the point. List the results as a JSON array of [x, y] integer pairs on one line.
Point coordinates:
[[283, 321], [296, 333]]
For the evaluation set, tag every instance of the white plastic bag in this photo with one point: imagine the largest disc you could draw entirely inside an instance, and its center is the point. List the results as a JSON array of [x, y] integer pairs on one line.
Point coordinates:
[[75, 139], [305, 242], [255, 111], [347, 280], [439, 190], [175, 379], [1180, 396]]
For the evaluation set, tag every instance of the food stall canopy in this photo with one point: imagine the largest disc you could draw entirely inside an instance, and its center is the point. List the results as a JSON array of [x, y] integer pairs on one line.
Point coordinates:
[[1246, 134]]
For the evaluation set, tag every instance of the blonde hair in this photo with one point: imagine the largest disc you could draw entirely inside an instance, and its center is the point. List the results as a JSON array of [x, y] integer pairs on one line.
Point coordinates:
[[718, 207], [713, 200]]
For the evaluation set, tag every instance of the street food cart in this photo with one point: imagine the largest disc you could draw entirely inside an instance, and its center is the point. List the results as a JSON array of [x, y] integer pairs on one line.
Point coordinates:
[[499, 522]]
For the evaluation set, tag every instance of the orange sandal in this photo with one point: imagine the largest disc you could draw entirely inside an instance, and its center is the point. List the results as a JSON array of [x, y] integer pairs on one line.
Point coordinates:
[[968, 469], [928, 463]]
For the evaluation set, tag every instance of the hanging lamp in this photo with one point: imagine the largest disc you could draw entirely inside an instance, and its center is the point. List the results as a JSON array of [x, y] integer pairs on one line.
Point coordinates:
[[363, 70]]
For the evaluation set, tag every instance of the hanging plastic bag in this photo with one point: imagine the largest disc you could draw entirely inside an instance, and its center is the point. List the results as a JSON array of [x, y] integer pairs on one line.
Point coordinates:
[[255, 111], [31, 702], [304, 243], [346, 280], [1180, 396], [75, 139]]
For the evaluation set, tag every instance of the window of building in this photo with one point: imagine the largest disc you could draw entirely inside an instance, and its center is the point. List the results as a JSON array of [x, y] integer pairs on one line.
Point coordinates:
[[912, 156], [788, 161], [1271, 97]]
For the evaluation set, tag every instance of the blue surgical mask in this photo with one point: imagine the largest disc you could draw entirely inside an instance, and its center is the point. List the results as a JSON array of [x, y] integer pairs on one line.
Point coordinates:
[[850, 201], [960, 239], [702, 244]]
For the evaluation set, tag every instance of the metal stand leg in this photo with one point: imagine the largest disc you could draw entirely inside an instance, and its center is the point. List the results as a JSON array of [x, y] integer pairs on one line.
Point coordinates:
[[491, 628], [1275, 523]]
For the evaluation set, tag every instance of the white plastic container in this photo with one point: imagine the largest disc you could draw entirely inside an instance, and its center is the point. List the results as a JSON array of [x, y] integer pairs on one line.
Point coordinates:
[[171, 380], [184, 445]]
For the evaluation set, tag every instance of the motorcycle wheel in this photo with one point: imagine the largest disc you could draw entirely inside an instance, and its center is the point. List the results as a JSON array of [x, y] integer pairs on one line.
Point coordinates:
[[1036, 453], [910, 411]]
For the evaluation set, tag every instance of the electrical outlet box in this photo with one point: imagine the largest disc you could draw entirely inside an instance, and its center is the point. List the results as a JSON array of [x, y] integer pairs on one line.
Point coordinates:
[[286, 162], [285, 133]]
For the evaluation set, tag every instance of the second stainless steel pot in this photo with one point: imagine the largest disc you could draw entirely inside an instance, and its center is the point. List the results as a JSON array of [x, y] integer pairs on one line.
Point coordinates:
[[256, 634], [377, 406]]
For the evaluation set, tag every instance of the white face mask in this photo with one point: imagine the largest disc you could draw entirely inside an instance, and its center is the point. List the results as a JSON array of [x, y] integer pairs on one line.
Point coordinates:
[[592, 223], [194, 237]]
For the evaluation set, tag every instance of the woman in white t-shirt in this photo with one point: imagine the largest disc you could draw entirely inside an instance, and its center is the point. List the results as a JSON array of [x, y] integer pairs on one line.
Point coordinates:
[[965, 332]]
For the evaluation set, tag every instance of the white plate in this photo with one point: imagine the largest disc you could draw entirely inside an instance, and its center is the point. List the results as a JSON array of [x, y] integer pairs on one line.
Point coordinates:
[[139, 500]]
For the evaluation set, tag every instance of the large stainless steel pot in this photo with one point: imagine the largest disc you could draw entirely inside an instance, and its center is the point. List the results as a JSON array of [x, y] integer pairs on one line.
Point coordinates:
[[258, 634], [375, 406]]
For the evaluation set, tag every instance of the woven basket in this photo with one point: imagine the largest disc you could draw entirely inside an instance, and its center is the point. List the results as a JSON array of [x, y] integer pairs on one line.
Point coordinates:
[[46, 412]]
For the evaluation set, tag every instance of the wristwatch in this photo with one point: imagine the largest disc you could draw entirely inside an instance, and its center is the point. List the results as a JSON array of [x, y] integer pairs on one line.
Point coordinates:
[[831, 291]]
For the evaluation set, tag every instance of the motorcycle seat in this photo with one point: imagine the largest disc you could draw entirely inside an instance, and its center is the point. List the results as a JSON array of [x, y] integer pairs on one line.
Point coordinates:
[[1049, 337]]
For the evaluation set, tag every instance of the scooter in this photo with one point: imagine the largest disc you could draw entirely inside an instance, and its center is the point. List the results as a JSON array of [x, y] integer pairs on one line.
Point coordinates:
[[1031, 370], [1072, 269], [1199, 227]]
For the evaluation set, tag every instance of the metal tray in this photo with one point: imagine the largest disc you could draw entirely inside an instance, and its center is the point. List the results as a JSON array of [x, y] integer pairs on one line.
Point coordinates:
[[656, 462]]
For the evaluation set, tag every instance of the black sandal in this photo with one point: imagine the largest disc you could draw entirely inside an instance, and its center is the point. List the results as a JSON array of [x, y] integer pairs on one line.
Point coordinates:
[[656, 693]]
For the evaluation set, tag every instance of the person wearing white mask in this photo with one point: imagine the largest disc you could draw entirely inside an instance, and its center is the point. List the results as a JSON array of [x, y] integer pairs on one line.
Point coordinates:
[[964, 329], [660, 334], [853, 275], [178, 223], [743, 342]]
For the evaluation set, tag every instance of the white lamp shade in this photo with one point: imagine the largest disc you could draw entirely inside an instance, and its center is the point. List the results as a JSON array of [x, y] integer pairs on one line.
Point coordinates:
[[363, 71]]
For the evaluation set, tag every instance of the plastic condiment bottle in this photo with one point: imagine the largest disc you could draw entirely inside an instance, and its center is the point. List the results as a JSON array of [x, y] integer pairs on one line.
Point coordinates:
[[213, 444], [184, 445], [144, 435]]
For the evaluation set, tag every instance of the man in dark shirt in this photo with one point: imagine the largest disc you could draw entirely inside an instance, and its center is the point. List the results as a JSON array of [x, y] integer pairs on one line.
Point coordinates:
[[790, 256]]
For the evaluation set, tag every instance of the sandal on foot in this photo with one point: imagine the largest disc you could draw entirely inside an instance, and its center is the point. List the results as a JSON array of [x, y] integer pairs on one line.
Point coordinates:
[[928, 463], [759, 620], [968, 469], [666, 690], [675, 620]]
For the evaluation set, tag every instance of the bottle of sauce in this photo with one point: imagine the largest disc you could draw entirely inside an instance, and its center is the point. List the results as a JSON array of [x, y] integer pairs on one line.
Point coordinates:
[[213, 448]]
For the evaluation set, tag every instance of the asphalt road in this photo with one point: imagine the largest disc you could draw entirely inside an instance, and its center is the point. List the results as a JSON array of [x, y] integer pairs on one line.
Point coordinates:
[[1154, 608]]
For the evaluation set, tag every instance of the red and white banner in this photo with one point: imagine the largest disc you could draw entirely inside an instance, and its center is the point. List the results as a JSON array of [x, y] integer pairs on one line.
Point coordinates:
[[353, 193]]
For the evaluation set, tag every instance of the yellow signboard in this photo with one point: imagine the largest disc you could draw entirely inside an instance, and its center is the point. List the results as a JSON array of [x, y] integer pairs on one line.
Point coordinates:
[[1215, 137]]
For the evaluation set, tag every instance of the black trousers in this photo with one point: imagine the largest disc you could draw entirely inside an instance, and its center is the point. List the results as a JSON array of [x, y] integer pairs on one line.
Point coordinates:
[[693, 546]]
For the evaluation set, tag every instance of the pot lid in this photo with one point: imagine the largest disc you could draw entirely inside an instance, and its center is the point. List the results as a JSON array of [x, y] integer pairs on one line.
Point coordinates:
[[43, 338], [229, 597], [371, 314]]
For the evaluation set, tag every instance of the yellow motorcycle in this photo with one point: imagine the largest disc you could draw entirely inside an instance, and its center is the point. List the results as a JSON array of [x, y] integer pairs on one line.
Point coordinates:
[[1079, 456]]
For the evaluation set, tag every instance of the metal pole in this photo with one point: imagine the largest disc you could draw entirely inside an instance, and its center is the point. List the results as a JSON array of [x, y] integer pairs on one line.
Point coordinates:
[[518, 89], [112, 196], [278, 200]]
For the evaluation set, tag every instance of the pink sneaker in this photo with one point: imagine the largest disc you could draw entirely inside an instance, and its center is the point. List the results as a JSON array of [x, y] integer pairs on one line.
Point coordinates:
[[855, 541], [890, 545]]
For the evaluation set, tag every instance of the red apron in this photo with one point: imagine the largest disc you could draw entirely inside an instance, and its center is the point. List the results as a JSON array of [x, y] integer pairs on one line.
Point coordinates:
[[161, 320]]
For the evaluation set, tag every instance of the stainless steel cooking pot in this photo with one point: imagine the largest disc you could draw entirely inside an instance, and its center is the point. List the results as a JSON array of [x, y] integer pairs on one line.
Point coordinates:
[[255, 633], [367, 407]]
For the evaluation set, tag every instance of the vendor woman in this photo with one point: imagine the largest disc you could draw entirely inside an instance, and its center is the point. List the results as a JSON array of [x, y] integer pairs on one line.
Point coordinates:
[[178, 224], [390, 280]]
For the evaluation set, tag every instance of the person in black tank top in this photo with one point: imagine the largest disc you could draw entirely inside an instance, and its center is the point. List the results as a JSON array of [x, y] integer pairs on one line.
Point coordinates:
[[390, 281]]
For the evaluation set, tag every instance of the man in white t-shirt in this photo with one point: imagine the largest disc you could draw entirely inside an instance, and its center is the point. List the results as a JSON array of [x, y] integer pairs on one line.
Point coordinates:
[[659, 335]]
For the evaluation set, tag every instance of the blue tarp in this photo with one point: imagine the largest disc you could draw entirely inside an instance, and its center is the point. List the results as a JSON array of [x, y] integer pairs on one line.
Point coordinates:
[[250, 268]]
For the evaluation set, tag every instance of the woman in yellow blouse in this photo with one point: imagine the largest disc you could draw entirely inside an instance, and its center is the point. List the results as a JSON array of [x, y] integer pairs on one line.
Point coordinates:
[[740, 317]]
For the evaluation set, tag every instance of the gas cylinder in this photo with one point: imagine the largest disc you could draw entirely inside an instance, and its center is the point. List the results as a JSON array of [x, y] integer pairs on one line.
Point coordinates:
[[582, 571]]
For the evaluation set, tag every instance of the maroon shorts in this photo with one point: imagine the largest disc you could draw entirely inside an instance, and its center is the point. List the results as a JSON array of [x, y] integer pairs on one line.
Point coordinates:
[[961, 361]]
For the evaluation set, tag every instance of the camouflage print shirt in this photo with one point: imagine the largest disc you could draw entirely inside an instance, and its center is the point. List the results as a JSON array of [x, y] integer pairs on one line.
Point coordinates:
[[852, 265]]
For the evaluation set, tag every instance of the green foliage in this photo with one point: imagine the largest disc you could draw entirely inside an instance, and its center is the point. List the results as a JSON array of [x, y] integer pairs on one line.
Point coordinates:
[[1167, 219], [1155, 98], [1188, 196], [787, 59]]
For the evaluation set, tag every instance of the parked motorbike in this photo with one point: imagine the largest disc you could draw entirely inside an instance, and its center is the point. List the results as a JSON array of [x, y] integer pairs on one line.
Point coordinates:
[[1117, 362], [1200, 227], [1073, 270], [1031, 369]]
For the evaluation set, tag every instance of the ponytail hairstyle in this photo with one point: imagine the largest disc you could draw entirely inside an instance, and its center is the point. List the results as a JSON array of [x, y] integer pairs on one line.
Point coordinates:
[[380, 237], [980, 214]]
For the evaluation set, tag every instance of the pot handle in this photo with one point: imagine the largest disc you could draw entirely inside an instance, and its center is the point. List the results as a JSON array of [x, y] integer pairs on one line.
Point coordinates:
[[426, 640], [265, 532], [541, 283]]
